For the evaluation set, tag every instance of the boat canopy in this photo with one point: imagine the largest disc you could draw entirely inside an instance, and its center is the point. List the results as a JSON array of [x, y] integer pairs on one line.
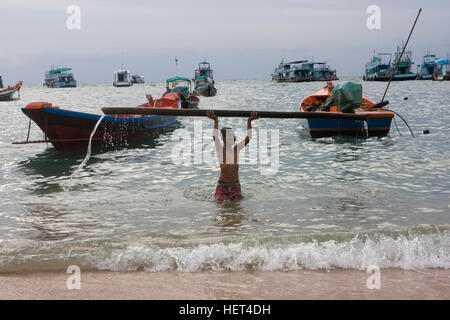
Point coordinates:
[[295, 62], [348, 96], [59, 70], [442, 61], [178, 79]]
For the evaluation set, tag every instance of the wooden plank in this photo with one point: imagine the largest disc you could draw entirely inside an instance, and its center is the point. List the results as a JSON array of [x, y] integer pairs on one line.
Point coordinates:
[[233, 113]]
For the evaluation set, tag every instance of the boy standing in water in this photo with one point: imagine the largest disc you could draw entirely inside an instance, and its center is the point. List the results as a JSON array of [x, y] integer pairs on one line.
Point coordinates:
[[228, 186]]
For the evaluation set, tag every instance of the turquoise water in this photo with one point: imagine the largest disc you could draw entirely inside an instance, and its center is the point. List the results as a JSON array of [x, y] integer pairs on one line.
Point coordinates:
[[332, 202]]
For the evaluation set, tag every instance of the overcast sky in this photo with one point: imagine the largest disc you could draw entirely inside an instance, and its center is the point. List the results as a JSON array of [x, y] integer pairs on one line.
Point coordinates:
[[242, 39]]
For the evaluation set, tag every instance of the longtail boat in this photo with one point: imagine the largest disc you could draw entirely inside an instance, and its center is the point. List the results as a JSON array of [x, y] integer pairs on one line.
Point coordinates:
[[69, 130], [183, 85], [339, 99], [204, 80], [8, 93]]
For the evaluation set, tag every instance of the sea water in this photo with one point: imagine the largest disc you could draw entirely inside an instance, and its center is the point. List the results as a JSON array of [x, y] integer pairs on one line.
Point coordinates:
[[332, 202]]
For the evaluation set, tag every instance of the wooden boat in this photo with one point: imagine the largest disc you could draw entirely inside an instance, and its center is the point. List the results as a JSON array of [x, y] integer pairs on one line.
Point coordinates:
[[204, 80], [381, 67], [204, 86], [69, 130], [442, 69], [59, 78], [303, 71], [183, 85], [8, 93], [378, 122], [427, 67]]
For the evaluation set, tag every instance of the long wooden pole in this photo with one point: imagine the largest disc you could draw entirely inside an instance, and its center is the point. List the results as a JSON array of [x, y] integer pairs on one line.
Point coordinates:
[[401, 55], [232, 113]]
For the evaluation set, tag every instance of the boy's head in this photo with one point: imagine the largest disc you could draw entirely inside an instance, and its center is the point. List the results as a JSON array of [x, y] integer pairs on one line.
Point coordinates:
[[227, 135]]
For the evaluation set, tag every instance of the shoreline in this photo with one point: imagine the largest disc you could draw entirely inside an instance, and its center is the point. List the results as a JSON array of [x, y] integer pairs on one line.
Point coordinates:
[[268, 285]]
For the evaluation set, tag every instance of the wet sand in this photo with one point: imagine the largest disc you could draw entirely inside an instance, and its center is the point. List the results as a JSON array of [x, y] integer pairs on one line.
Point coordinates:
[[334, 284]]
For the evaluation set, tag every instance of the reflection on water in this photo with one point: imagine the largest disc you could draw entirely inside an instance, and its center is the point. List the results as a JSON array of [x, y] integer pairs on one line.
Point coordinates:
[[229, 215], [47, 222], [49, 167]]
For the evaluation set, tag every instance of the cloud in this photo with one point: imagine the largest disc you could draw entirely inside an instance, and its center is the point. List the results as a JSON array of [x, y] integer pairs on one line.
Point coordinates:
[[234, 35]]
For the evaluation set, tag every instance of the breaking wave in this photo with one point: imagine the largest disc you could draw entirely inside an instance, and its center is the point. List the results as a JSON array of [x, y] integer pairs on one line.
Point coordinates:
[[405, 250]]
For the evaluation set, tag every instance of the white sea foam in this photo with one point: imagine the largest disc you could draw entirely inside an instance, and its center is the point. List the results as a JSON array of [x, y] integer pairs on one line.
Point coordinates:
[[405, 252]]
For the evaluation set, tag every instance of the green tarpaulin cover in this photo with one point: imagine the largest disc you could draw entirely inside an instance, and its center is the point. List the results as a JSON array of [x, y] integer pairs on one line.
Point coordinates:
[[348, 96], [184, 90]]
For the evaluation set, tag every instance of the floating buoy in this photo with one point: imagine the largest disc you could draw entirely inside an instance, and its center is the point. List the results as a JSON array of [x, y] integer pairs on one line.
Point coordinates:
[[405, 98], [426, 131]]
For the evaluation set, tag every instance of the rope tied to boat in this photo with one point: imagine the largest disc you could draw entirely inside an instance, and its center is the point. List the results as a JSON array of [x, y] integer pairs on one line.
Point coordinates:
[[396, 113]]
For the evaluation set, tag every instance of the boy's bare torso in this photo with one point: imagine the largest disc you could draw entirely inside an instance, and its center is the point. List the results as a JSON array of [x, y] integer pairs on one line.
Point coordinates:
[[229, 168], [228, 154]]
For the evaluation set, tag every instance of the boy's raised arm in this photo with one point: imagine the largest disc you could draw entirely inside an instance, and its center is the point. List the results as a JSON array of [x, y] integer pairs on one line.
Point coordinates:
[[243, 143], [212, 116]]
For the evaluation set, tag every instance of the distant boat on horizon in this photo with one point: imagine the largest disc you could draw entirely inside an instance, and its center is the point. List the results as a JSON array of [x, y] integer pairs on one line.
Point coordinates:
[[204, 80], [427, 67], [137, 79], [122, 78], [7, 94], [59, 78], [442, 69], [303, 71], [380, 67]]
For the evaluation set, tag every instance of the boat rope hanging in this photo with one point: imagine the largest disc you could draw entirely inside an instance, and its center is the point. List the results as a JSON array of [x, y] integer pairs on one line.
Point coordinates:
[[396, 126], [67, 186], [403, 121]]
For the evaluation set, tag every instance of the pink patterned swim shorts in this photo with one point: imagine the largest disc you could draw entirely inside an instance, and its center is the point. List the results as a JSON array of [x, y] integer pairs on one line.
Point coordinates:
[[228, 191]]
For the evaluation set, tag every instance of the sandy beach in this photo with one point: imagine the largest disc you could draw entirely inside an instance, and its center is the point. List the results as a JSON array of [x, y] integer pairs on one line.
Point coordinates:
[[335, 284]]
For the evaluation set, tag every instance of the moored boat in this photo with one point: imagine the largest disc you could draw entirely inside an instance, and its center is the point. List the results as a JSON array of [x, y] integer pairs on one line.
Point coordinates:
[[303, 71], [184, 86], [204, 80], [345, 98], [59, 78], [204, 86], [70, 130], [442, 69], [122, 78], [137, 79], [404, 66], [427, 67], [380, 67], [7, 94]]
